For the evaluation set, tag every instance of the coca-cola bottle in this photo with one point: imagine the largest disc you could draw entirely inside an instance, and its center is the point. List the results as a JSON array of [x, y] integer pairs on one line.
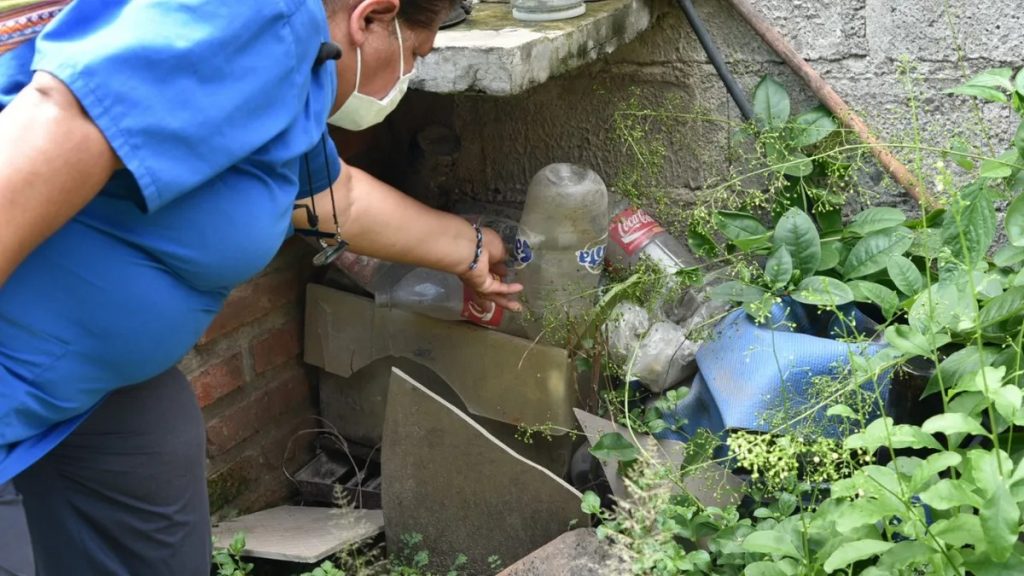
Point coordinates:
[[634, 235], [443, 296]]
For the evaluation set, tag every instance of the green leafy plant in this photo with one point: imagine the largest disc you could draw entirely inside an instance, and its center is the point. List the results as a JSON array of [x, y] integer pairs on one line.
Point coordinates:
[[892, 497], [229, 560]]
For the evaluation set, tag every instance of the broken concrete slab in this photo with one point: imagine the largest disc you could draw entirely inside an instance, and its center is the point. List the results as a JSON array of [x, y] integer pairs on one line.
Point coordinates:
[[299, 533], [710, 484], [576, 553], [449, 480], [497, 376]]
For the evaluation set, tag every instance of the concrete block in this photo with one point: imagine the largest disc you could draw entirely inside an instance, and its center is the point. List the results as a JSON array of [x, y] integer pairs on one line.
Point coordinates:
[[817, 29], [930, 29]]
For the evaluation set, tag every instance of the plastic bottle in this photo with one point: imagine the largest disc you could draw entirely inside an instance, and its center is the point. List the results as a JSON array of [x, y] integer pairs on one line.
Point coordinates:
[[560, 249], [633, 234], [656, 353], [443, 296]]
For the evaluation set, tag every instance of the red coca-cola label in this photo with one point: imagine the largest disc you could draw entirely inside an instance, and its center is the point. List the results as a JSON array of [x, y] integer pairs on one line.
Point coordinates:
[[632, 229], [486, 314]]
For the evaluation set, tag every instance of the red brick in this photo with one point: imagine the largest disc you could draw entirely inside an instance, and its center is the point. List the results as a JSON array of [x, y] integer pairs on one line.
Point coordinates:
[[279, 345], [263, 412], [255, 299], [218, 379]]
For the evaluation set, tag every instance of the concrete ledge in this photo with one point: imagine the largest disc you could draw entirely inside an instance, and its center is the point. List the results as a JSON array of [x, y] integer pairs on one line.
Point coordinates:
[[493, 53]]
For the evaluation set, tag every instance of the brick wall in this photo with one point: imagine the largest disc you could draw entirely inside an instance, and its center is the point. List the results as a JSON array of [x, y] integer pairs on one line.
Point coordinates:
[[254, 389]]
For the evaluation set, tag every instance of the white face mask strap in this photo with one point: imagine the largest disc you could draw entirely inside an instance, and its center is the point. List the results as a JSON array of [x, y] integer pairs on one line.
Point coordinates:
[[359, 67], [401, 50]]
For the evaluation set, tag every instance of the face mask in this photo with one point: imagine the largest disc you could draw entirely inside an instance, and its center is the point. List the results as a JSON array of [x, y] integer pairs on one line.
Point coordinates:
[[361, 111]]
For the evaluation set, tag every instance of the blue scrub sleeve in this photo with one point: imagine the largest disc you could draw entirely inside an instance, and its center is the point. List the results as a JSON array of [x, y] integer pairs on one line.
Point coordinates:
[[318, 168], [182, 89]]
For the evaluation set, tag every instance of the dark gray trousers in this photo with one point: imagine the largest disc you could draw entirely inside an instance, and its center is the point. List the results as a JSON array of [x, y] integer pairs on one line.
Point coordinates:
[[125, 493]]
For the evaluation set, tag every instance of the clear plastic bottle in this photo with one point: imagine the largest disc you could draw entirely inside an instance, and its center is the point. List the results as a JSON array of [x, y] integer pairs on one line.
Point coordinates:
[[546, 10], [443, 296], [656, 353], [633, 235], [560, 249]]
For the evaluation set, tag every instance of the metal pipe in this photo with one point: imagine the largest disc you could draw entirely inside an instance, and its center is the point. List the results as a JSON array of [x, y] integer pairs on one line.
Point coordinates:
[[733, 87]]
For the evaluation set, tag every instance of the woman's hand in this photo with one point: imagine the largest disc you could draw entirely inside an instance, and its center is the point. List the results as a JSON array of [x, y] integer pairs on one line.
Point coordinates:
[[487, 279]]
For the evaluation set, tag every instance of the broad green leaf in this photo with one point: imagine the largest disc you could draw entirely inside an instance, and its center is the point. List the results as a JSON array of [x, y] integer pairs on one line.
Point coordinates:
[[985, 380], [993, 78], [952, 423], [903, 555], [1001, 166], [754, 243], [796, 231], [763, 569], [927, 243], [829, 256], [1014, 222], [813, 126], [905, 275], [1019, 82], [961, 364], [738, 225], [792, 164], [983, 92], [959, 530], [734, 291], [770, 542], [856, 551], [779, 267], [1018, 139], [873, 252], [883, 297], [980, 564], [875, 219], [935, 309], [1007, 400], [863, 511], [970, 226], [591, 503], [982, 468], [909, 341], [615, 446], [946, 494], [771, 103], [1000, 523], [823, 291], [960, 155], [1007, 305], [700, 243], [931, 466], [841, 410], [882, 432]]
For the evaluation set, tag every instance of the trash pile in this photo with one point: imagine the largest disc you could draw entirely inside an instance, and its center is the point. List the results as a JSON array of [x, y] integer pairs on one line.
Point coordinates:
[[572, 236]]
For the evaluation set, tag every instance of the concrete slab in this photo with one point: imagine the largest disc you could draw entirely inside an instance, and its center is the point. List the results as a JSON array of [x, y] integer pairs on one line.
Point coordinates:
[[449, 480], [576, 553], [299, 534], [493, 53], [497, 376]]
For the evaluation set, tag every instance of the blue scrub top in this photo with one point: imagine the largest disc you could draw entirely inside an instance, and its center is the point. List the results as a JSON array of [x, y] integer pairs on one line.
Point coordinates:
[[215, 108]]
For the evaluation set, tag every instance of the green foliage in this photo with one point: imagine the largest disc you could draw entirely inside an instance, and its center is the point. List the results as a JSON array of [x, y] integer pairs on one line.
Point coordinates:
[[891, 497], [228, 561]]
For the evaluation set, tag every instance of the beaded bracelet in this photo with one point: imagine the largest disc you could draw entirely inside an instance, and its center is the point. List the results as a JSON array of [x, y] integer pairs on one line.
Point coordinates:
[[479, 248]]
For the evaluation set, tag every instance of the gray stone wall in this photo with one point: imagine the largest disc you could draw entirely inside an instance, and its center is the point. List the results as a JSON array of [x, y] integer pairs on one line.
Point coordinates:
[[857, 45]]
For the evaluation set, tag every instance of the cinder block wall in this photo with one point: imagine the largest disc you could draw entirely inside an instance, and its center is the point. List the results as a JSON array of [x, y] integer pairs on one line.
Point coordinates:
[[254, 389], [857, 45]]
